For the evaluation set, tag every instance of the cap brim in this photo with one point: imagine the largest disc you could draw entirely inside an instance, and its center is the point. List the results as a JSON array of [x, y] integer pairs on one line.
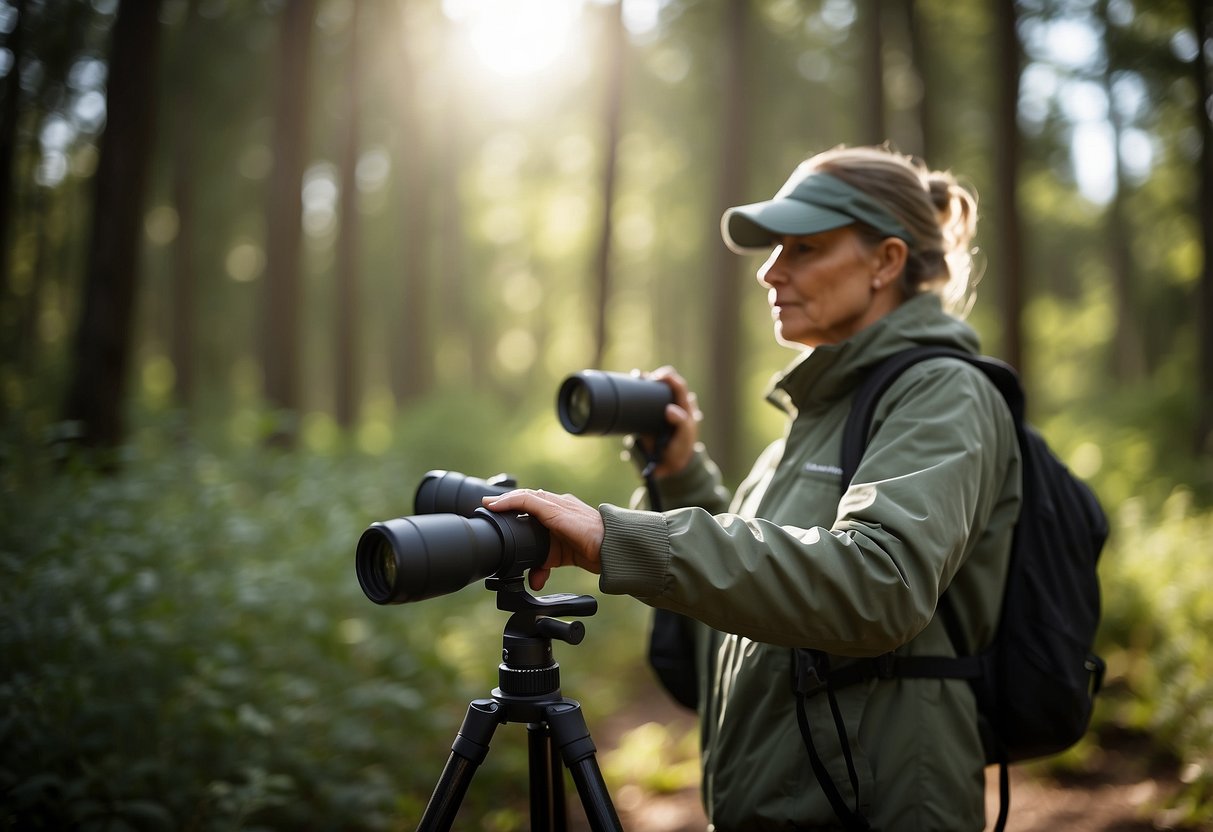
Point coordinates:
[[750, 228]]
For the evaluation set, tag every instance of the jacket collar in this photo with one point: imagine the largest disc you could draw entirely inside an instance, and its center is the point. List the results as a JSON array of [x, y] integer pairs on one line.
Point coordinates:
[[833, 370]]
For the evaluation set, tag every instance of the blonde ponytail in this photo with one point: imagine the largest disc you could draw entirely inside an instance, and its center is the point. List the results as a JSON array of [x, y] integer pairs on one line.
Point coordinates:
[[939, 212]]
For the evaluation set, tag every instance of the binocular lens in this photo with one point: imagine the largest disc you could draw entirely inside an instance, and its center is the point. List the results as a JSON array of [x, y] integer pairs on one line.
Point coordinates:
[[579, 408], [414, 558], [377, 566], [597, 403]]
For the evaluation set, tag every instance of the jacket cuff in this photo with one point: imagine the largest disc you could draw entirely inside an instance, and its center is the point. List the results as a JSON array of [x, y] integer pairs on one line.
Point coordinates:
[[635, 552], [698, 484]]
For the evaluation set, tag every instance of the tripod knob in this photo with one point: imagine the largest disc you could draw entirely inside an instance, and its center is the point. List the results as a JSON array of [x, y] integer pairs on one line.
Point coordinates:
[[571, 632]]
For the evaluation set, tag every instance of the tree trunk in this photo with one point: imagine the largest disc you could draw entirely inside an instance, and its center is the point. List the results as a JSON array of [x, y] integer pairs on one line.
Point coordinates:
[[346, 299], [1006, 182], [283, 292], [1128, 362], [458, 330], [103, 342], [723, 426], [1204, 324], [919, 46], [614, 41], [873, 130], [8, 141], [409, 335], [185, 274]]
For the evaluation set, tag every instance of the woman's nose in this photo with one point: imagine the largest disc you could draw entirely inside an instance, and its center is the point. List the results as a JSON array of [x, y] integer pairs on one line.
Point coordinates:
[[771, 272]]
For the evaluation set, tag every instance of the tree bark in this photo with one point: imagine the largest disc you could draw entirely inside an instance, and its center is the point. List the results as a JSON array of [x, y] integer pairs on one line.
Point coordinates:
[[348, 234], [8, 140], [1201, 70], [1128, 363], [102, 349], [919, 47], [874, 128], [409, 322], [723, 426], [1008, 228], [283, 291], [185, 274], [615, 42], [459, 334]]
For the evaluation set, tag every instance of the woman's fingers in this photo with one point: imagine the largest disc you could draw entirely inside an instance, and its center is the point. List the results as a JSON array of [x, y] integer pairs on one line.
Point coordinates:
[[683, 416], [576, 529]]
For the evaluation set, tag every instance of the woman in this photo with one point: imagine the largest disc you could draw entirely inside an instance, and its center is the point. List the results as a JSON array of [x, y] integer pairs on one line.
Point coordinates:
[[864, 245]]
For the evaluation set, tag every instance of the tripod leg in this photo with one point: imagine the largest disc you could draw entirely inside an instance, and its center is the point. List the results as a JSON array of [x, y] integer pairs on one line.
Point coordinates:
[[547, 781], [468, 751], [559, 810], [571, 736]]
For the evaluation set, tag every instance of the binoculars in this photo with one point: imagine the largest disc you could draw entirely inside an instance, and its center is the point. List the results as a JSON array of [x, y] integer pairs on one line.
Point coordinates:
[[451, 540]]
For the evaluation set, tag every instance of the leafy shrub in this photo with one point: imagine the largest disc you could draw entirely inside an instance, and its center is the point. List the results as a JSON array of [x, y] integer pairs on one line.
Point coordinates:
[[1158, 613], [185, 646]]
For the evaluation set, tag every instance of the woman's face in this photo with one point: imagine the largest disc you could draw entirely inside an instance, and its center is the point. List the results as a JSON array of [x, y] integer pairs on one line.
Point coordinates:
[[823, 288]]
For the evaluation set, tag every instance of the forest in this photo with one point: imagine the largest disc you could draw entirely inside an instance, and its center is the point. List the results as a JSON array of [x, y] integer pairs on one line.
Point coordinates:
[[265, 263]]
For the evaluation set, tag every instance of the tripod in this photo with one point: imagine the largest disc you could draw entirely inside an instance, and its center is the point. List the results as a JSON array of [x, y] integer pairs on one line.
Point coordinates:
[[529, 692]]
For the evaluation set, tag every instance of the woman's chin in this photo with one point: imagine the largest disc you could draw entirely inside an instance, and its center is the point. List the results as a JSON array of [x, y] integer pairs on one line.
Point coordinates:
[[784, 341]]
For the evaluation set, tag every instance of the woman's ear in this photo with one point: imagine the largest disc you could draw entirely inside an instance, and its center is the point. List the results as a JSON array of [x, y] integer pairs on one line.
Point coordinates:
[[889, 260]]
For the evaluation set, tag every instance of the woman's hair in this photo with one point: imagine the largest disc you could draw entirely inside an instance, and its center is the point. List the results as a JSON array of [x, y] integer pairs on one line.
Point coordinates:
[[939, 212]]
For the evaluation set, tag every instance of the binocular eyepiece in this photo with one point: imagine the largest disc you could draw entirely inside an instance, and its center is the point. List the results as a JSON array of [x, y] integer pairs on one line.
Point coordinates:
[[450, 542], [598, 403]]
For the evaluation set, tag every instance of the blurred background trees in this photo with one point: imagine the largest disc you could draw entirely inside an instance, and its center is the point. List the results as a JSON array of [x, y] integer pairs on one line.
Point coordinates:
[[349, 207], [385, 229]]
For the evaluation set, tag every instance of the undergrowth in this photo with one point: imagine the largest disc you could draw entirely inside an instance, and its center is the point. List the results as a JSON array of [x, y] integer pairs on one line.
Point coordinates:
[[185, 646]]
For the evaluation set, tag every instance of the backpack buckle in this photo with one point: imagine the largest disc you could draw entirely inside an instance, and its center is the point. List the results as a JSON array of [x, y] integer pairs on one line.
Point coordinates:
[[810, 672]]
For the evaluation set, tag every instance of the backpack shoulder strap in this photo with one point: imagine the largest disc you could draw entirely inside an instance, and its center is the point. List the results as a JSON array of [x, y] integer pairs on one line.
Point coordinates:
[[881, 377]]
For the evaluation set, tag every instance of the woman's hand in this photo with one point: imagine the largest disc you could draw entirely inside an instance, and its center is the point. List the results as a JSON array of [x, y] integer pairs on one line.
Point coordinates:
[[576, 529], [683, 416]]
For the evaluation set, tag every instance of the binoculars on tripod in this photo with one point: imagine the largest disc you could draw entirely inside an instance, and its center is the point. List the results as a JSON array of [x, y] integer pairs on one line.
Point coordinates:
[[451, 540]]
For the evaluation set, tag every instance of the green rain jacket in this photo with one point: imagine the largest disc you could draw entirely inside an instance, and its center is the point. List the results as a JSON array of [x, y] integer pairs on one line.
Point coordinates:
[[786, 563]]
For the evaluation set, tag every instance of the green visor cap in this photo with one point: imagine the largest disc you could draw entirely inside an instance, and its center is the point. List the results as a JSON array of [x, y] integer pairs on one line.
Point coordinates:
[[809, 202]]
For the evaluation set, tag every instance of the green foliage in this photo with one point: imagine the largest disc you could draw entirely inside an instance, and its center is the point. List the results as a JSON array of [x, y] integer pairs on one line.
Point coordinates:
[[655, 758], [185, 646], [1158, 613]]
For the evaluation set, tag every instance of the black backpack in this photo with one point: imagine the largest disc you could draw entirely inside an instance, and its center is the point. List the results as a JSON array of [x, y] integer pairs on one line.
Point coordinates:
[[1035, 683]]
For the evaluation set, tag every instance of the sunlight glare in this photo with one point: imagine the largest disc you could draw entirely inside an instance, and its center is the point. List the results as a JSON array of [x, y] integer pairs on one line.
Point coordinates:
[[1092, 150], [515, 38]]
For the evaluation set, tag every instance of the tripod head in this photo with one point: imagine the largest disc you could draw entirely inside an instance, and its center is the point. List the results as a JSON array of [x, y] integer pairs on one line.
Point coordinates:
[[528, 668]]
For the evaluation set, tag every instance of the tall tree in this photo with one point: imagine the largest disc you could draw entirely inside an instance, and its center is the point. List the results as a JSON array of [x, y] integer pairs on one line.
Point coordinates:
[[919, 47], [1201, 70], [724, 428], [103, 342], [463, 340], [10, 108], [1007, 52], [412, 367], [1128, 361], [185, 273], [614, 40], [283, 291], [874, 129], [348, 235]]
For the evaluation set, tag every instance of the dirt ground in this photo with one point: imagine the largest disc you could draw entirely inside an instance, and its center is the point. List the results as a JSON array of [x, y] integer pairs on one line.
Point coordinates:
[[1121, 789]]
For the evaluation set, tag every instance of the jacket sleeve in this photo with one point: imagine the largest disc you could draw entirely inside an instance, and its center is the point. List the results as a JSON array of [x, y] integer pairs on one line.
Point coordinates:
[[933, 471], [699, 484]]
